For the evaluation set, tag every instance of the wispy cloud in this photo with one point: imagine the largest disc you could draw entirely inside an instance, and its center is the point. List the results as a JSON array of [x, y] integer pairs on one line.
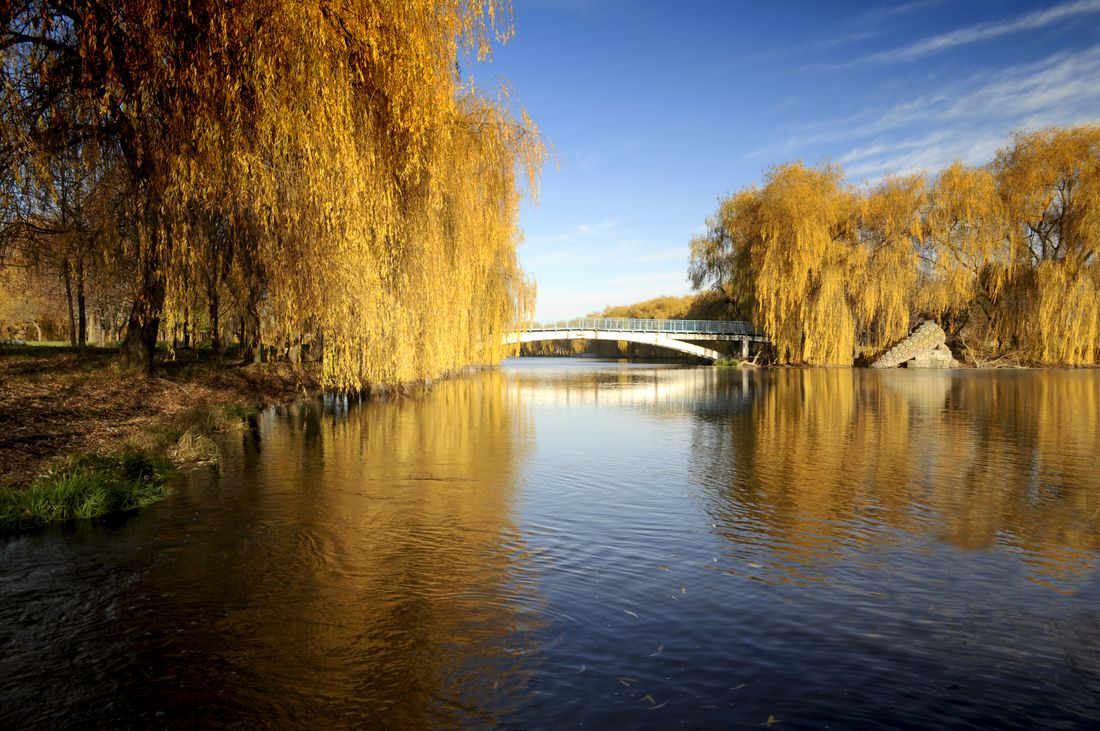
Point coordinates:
[[876, 16], [605, 254], [877, 148], [783, 105], [603, 264], [575, 235], [653, 282], [596, 229], [868, 24], [971, 121], [599, 155], [986, 31], [565, 303], [845, 39], [585, 8], [964, 121]]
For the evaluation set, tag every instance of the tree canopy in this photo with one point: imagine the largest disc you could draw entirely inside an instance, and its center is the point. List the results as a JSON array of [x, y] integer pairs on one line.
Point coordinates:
[[320, 166], [1005, 256]]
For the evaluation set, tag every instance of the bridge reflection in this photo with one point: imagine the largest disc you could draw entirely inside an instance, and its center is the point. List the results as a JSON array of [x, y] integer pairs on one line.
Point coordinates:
[[647, 387]]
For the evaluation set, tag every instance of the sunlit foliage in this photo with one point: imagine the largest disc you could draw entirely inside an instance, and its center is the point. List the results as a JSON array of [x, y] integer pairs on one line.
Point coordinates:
[[1049, 184], [321, 165], [787, 247], [659, 308], [1006, 257]]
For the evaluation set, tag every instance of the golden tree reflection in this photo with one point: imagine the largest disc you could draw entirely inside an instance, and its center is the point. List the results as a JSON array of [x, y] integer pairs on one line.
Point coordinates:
[[831, 458], [400, 571]]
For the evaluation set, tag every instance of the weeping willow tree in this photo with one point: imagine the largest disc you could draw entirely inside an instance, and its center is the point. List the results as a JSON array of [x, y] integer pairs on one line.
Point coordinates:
[[818, 263], [1049, 185], [885, 264], [963, 247], [364, 196], [1007, 255]]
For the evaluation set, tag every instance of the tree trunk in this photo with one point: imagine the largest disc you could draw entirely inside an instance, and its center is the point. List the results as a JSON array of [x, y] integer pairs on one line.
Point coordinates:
[[82, 318], [140, 342], [251, 345], [187, 327], [215, 336], [251, 348], [68, 279]]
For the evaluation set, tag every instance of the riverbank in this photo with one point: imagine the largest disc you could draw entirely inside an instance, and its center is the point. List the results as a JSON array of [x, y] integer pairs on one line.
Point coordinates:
[[80, 437]]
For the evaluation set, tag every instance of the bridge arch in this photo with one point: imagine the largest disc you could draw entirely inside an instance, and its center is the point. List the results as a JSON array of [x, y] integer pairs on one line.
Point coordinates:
[[660, 340]]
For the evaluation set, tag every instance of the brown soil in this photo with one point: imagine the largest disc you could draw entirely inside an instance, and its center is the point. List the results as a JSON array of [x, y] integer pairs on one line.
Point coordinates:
[[57, 401]]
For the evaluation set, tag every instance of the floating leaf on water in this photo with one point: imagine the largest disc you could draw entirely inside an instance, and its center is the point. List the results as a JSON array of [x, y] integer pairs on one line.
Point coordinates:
[[772, 720], [659, 648], [683, 590], [648, 697], [740, 686], [632, 614], [627, 681], [659, 705], [663, 568]]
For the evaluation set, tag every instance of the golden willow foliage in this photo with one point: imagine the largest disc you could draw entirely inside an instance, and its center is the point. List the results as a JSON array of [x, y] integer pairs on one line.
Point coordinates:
[[366, 194], [1006, 256], [664, 307]]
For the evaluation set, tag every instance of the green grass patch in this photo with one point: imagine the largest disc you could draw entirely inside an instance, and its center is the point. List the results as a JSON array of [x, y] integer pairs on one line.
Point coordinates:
[[727, 363], [86, 487], [47, 343]]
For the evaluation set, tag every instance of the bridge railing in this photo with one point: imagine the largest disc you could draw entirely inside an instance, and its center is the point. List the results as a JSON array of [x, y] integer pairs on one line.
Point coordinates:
[[630, 324]]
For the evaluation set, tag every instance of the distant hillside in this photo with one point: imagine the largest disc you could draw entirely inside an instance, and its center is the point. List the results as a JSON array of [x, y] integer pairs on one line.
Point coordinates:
[[709, 305]]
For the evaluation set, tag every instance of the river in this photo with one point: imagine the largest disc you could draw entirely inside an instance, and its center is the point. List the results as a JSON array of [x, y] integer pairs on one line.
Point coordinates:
[[575, 543]]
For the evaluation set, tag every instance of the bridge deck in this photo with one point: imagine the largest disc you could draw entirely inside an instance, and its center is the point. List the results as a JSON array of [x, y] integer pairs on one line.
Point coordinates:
[[678, 329]]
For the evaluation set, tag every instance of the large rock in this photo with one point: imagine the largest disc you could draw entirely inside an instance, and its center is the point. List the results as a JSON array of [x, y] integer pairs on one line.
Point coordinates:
[[922, 340], [940, 357]]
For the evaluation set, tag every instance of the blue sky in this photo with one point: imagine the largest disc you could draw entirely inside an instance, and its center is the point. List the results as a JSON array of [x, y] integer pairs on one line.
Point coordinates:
[[654, 110]]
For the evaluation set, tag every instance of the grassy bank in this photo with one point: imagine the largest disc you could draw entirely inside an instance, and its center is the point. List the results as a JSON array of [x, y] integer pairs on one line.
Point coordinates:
[[85, 487], [79, 437]]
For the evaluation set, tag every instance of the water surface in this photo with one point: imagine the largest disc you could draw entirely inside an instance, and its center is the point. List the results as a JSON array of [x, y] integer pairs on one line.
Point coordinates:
[[569, 542]]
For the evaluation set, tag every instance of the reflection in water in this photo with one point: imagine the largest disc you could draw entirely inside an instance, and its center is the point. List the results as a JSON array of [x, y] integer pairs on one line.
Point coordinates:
[[563, 543], [616, 386], [979, 459], [351, 564], [404, 549]]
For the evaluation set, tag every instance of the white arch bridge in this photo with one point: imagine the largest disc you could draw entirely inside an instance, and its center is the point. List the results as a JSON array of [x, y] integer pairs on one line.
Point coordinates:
[[681, 335]]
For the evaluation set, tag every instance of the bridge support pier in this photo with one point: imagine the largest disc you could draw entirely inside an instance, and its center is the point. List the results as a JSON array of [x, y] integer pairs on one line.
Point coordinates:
[[745, 349]]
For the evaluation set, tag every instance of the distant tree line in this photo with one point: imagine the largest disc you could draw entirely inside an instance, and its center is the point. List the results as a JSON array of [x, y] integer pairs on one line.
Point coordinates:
[[292, 175], [1005, 256]]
